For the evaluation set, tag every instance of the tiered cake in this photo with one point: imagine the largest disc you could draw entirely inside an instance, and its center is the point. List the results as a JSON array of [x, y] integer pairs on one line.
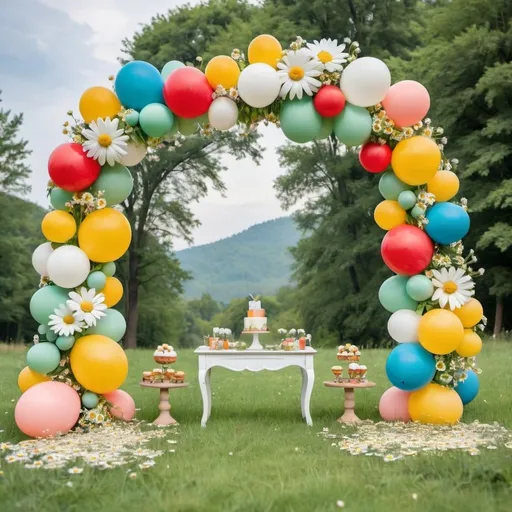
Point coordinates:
[[255, 320]]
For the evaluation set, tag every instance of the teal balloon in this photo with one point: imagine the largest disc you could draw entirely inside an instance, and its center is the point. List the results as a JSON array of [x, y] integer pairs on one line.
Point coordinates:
[[51, 336], [353, 126], [390, 187], [170, 67], [65, 342], [407, 199], [112, 325], [45, 300], [132, 118], [191, 126], [417, 212], [419, 288], [90, 400], [116, 183], [326, 130], [59, 198], [97, 280], [393, 294], [43, 358], [42, 329], [300, 121], [156, 119], [109, 269]]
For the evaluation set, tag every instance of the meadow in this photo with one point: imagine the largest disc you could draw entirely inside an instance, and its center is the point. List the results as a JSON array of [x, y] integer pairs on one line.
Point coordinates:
[[256, 454]]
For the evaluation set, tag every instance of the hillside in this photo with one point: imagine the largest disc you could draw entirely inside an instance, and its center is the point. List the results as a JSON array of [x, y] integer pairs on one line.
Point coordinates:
[[255, 261]]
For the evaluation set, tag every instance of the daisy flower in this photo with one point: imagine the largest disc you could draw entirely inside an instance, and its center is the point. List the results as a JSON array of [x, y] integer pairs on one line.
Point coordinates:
[[75, 471], [65, 322], [440, 366], [101, 203], [105, 142], [330, 55], [454, 287], [297, 72], [87, 305]]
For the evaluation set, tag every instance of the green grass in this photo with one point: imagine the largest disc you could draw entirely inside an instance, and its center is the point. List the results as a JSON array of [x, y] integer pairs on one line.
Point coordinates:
[[277, 462]]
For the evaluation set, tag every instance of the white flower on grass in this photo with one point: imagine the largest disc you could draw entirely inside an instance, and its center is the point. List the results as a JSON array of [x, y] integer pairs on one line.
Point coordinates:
[[297, 72], [105, 142], [329, 53], [454, 287], [65, 322], [75, 471], [88, 306]]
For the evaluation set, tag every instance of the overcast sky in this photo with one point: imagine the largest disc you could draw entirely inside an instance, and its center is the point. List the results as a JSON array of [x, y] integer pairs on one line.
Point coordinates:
[[52, 50]]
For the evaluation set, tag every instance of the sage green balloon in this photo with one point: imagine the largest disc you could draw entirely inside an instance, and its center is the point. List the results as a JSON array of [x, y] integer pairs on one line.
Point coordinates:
[[353, 126], [417, 212], [90, 400], [42, 329], [300, 121], [393, 294], [132, 118], [156, 119], [65, 342], [326, 130], [407, 199], [116, 183], [43, 358], [112, 325], [59, 198], [419, 288], [51, 336], [45, 300], [109, 269], [390, 187], [97, 280], [191, 126]]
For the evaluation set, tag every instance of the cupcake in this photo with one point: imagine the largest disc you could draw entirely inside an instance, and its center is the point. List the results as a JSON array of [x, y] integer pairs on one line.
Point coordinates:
[[363, 370], [337, 371], [179, 377], [157, 374], [345, 356], [352, 371], [165, 354], [169, 374], [147, 376]]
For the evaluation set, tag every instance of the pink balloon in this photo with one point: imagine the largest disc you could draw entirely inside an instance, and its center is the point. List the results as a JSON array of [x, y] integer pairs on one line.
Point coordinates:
[[47, 409], [394, 405], [406, 103], [123, 406]]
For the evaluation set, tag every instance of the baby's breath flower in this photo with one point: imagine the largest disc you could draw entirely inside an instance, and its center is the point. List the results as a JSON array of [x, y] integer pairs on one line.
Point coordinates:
[[70, 112], [111, 77], [439, 130], [444, 140], [427, 132]]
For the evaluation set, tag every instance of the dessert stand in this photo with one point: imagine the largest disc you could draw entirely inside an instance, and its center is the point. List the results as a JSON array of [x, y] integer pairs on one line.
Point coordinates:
[[165, 417], [349, 416], [256, 345]]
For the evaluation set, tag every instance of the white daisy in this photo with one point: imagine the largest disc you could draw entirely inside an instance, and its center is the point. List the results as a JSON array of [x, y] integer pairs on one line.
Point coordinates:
[[454, 287], [88, 306], [65, 322], [105, 142], [329, 53], [297, 71]]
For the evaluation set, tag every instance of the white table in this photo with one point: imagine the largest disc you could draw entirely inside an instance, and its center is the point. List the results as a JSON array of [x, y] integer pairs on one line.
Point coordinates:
[[254, 361]]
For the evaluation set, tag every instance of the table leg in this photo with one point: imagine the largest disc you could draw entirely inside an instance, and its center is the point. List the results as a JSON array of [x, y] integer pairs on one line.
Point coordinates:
[[349, 416], [165, 417], [206, 398], [209, 388], [303, 392], [309, 377]]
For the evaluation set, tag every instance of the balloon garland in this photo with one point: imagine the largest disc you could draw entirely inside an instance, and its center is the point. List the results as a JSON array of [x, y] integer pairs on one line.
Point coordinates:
[[312, 91]]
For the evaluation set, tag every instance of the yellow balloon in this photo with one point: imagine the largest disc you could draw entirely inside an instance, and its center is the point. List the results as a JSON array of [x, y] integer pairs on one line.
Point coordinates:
[[440, 331], [266, 49], [28, 378], [389, 214], [416, 160], [222, 70], [471, 344], [58, 226], [444, 185], [104, 235], [98, 102], [98, 363], [435, 404], [113, 291], [471, 313]]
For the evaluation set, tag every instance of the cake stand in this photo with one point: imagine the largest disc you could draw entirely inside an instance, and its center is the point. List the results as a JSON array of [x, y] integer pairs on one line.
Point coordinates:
[[256, 345], [349, 416]]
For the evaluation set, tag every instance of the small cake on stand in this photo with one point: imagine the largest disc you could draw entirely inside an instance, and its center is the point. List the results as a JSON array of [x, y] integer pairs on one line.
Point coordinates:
[[255, 323]]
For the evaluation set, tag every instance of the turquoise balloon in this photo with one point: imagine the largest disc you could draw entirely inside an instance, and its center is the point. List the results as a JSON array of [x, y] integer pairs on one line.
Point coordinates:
[[116, 182], [326, 130], [45, 300], [390, 187], [132, 118], [42, 329], [90, 400], [156, 119], [419, 288], [65, 342], [43, 358], [353, 126], [299, 120], [417, 212], [407, 199], [51, 336], [109, 269], [113, 325], [170, 67], [97, 280], [59, 198], [393, 294], [191, 126]]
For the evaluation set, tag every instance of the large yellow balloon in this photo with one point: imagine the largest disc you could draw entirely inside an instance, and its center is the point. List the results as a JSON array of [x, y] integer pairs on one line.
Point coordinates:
[[416, 160], [266, 49], [113, 291], [440, 331], [471, 344], [444, 185], [222, 70], [435, 404], [98, 102], [58, 226], [471, 313], [28, 378], [98, 363], [104, 235], [389, 214]]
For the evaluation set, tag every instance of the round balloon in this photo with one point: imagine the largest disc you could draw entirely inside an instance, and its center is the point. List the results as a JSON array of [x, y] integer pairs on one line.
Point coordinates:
[[113, 291], [394, 405], [440, 331], [390, 186], [135, 153], [43, 357], [65, 343], [265, 49], [28, 378], [444, 185], [223, 113], [407, 199], [329, 101], [403, 326], [68, 266], [59, 198], [116, 183], [393, 295], [42, 329], [417, 212], [420, 288], [406, 103], [40, 258], [468, 389], [58, 226], [98, 102], [51, 336], [375, 157], [109, 269], [222, 70], [471, 344], [45, 300], [97, 280], [171, 66], [470, 313], [435, 404], [90, 400], [156, 119], [121, 403], [447, 223], [190, 126], [300, 121], [132, 117], [353, 126], [389, 214], [259, 85], [112, 325]]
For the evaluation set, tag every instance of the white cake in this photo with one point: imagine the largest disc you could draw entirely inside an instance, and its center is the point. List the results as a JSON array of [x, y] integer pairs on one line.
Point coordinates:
[[255, 319]]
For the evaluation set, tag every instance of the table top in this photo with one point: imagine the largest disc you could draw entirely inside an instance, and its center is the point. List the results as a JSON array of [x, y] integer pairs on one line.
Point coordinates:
[[350, 385], [163, 385], [204, 350]]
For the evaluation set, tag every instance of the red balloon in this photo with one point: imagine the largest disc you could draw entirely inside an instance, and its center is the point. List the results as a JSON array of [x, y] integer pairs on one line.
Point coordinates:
[[71, 169], [187, 92], [329, 101], [375, 157], [407, 250]]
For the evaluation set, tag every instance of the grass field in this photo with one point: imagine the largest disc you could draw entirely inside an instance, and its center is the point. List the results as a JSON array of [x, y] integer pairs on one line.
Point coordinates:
[[256, 454]]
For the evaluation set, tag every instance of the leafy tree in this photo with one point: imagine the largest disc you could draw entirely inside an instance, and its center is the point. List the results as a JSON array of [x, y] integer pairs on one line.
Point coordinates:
[[205, 308]]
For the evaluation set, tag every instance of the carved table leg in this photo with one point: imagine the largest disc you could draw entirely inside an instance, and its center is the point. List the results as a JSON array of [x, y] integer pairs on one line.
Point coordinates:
[[165, 417], [349, 415], [206, 396]]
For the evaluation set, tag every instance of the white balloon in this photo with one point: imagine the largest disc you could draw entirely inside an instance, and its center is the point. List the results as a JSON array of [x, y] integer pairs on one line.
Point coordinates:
[[259, 85], [403, 325], [40, 258], [365, 82], [135, 154], [68, 266], [223, 113]]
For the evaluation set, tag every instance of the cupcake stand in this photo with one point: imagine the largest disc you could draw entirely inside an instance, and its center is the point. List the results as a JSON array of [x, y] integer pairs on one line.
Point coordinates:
[[349, 416], [165, 417]]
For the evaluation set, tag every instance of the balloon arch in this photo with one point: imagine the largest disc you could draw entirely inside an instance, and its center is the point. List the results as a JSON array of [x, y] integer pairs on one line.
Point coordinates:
[[312, 91]]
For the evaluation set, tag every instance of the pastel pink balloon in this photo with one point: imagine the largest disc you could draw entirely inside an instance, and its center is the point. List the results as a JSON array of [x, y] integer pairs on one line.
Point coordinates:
[[406, 103], [123, 406], [394, 405], [47, 409]]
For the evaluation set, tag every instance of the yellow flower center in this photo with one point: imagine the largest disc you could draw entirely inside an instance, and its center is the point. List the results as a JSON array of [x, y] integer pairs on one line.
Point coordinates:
[[296, 73], [450, 287], [104, 140], [86, 306], [324, 57], [69, 319]]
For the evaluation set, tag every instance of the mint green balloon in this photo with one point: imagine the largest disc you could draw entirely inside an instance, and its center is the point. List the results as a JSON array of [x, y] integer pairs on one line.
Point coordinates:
[[51, 336], [43, 358], [191, 126], [390, 187], [45, 300], [299, 120], [326, 130], [417, 212], [59, 198], [42, 329], [132, 118], [90, 400], [407, 199], [170, 67], [97, 280], [113, 325], [419, 288], [109, 269], [156, 119], [65, 342], [353, 126], [116, 183], [393, 294]]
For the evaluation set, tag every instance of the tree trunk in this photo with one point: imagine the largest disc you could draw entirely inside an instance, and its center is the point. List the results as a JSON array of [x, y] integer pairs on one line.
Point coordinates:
[[132, 300], [498, 318]]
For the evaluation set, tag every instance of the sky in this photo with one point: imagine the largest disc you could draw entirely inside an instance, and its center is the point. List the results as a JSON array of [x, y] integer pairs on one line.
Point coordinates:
[[52, 50]]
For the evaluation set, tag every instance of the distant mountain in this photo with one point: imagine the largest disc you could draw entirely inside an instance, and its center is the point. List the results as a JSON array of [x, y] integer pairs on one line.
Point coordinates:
[[255, 261]]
